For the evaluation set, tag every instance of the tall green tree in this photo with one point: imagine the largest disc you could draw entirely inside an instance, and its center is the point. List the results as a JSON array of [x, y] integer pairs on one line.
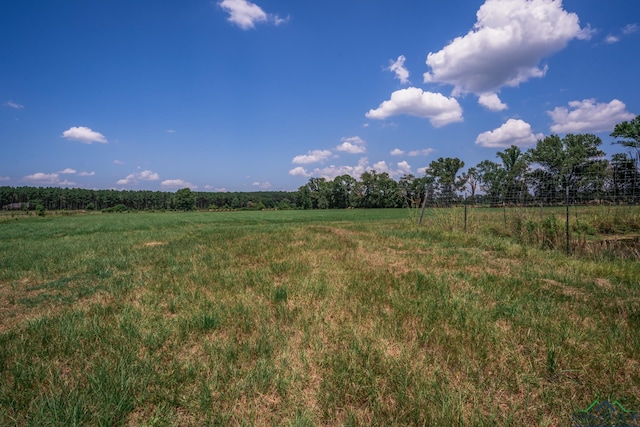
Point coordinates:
[[630, 134], [184, 200], [444, 172], [514, 162], [492, 177], [472, 179], [574, 163]]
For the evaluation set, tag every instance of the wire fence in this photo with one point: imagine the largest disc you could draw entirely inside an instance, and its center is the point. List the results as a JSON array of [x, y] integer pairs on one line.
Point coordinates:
[[591, 213]]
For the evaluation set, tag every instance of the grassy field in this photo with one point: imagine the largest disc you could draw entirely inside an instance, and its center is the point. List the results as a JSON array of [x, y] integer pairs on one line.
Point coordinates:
[[303, 318]]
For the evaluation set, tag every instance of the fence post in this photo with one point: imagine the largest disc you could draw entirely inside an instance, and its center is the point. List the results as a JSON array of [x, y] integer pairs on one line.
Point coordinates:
[[465, 212], [424, 204], [566, 226]]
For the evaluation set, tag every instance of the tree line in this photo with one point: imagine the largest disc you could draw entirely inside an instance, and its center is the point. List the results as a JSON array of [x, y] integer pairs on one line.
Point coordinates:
[[56, 198], [556, 169]]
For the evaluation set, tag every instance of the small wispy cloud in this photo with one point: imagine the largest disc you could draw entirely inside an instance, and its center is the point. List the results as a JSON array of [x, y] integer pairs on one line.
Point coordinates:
[[262, 185], [630, 29], [400, 70], [423, 152], [627, 30], [611, 39], [246, 14], [13, 105]]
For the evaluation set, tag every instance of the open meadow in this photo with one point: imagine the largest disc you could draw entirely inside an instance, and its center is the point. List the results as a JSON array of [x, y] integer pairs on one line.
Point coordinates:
[[304, 318]]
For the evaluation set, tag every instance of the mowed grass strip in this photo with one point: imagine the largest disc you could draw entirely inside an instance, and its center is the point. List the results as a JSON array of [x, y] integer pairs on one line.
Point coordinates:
[[305, 318]]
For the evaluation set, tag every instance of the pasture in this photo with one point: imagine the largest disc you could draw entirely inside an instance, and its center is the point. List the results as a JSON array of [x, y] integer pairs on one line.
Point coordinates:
[[304, 318]]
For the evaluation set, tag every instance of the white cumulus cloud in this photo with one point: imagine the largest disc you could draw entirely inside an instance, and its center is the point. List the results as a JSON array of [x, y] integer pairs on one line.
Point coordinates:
[[246, 14], [314, 156], [41, 178], [134, 178], [505, 46], [513, 132], [86, 174], [404, 167], [177, 183], [396, 152], [352, 145], [399, 69], [68, 171], [84, 135], [490, 101], [299, 171], [588, 116], [413, 101]]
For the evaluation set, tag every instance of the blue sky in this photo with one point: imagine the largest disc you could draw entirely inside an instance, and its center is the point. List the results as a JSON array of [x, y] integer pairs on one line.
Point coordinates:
[[233, 95]]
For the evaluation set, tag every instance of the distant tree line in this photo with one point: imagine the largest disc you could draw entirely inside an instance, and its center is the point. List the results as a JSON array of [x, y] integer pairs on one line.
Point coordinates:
[[56, 198], [557, 169]]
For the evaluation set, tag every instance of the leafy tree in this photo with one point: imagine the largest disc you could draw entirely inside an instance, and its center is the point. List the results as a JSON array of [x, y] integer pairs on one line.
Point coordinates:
[[379, 190], [444, 172], [184, 200], [472, 178], [630, 132], [573, 163], [412, 189], [491, 176], [342, 190], [515, 166]]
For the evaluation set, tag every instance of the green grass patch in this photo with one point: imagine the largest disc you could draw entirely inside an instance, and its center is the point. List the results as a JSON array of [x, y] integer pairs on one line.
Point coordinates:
[[354, 317]]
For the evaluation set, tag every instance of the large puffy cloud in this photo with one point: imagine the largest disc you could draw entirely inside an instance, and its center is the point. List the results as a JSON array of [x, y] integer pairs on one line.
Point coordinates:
[[513, 132], [505, 46], [84, 135], [246, 15], [413, 101], [588, 116], [314, 156]]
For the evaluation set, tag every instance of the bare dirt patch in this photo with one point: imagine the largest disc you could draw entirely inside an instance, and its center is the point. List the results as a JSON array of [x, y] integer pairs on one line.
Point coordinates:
[[152, 244], [16, 308]]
